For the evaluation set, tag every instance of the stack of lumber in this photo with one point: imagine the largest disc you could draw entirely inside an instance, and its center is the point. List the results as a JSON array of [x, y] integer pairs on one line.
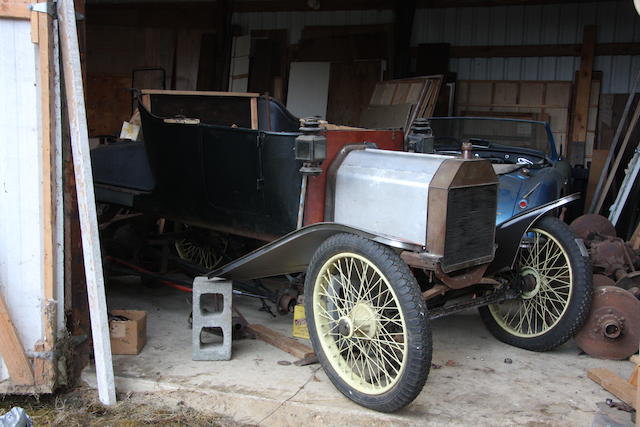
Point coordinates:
[[397, 103]]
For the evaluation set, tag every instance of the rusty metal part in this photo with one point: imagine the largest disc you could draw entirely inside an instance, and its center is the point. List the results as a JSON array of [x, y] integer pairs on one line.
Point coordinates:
[[474, 301], [612, 330], [434, 292], [463, 280], [629, 280], [612, 256], [286, 303], [467, 149], [586, 226], [602, 280], [635, 291], [422, 260]]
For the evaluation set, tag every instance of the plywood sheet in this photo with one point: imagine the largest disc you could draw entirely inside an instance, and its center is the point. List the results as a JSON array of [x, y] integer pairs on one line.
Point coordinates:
[[386, 116]]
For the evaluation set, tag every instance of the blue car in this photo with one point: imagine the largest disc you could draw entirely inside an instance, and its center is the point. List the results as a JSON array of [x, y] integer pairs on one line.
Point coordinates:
[[523, 154]]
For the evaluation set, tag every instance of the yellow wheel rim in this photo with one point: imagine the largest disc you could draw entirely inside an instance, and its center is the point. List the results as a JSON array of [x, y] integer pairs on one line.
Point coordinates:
[[547, 273], [359, 323], [203, 256]]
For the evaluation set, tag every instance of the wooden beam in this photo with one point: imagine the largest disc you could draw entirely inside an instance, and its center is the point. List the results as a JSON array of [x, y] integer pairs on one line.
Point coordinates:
[[284, 343], [15, 10], [86, 200], [580, 114], [197, 92], [47, 128], [297, 5], [529, 51], [615, 385], [12, 350]]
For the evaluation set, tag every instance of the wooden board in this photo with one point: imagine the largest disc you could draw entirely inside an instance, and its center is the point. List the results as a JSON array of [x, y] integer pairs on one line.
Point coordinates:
[[386, 116], [598, 159], [615, 385], [421, 92], [12, 350], [198, 92], [86, 201], [284, 343], [15, 10]]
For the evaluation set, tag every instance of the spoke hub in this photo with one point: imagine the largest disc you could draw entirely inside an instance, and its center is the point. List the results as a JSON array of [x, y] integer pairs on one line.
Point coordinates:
[[345, 327], [531, 282], [365, 319]]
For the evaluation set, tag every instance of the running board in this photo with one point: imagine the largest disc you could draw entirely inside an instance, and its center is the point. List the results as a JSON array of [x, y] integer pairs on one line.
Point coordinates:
[[292, 252]]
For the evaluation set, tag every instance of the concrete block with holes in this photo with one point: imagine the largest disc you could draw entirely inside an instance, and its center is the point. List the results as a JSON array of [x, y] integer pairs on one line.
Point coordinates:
[[212, 320]]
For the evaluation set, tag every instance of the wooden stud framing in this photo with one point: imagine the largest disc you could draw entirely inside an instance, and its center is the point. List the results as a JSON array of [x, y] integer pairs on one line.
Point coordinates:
[[583, 90]]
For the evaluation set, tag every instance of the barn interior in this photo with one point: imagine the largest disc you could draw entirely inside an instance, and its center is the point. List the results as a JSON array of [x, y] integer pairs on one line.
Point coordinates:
[[366, 71]]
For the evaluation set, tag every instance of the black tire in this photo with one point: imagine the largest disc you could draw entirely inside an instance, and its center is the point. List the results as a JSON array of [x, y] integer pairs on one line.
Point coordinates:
[[410, 379], [574, 310]]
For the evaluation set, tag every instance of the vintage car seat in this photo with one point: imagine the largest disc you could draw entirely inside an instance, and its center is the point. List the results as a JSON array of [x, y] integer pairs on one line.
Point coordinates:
[[126, 164]]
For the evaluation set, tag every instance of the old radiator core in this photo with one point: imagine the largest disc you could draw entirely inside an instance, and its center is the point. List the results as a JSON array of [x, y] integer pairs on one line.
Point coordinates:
[[470, 227]]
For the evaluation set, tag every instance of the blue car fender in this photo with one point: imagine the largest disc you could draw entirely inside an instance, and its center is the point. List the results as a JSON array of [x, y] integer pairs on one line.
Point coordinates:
[[509, 233]]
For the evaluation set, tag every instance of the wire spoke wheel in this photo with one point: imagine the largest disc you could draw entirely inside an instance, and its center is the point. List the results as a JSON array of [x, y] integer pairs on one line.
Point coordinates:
[[360, 323], [555, 285], [546, 273], [367, 322]]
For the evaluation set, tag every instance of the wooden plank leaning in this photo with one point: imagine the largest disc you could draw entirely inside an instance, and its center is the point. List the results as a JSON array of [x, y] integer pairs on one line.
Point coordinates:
[[598, 197], [86, 202]]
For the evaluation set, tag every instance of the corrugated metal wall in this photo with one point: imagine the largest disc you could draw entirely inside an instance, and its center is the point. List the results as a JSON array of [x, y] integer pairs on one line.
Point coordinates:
[[536, 24], [505, 25]]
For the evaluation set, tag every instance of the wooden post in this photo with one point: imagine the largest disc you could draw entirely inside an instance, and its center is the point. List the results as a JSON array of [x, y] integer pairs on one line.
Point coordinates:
[[12, 350], [86, 201], [580, 114]]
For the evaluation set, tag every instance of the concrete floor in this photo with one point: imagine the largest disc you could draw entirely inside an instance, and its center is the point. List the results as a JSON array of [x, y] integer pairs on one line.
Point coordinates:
[[470, 383]]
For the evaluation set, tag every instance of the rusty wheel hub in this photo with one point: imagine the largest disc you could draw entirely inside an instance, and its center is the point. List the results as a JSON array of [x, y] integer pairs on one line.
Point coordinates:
[[612, 330], [586, 226]]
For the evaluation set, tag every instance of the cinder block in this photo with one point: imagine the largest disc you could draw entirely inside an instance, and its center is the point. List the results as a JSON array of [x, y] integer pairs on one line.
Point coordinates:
[[219, 318]]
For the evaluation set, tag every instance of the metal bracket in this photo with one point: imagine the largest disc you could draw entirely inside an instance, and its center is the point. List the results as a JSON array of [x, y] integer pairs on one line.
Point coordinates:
[[45, 7]]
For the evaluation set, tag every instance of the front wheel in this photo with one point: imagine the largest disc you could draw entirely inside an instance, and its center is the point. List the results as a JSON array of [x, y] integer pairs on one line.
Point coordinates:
[[367, 322], [556, 289]]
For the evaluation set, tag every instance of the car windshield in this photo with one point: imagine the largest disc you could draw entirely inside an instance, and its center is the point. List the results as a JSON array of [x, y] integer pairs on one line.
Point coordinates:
[[449, 133]]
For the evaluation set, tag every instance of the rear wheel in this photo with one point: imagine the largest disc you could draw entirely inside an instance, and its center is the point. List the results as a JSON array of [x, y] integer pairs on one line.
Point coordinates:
[[367, 322], [556, 290]]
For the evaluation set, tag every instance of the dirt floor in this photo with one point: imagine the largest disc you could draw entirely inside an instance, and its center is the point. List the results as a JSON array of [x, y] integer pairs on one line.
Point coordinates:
[[81, 408], [474, 379]]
